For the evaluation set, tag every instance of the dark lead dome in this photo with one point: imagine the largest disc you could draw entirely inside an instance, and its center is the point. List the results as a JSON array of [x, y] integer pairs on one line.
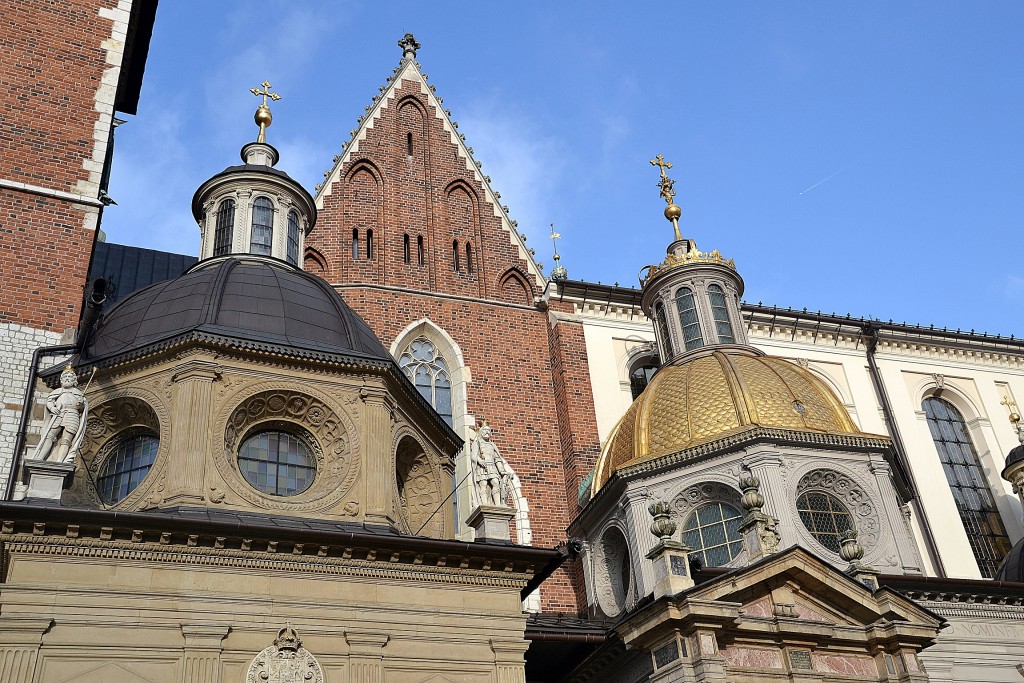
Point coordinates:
[[1012, 566], [242, 301]]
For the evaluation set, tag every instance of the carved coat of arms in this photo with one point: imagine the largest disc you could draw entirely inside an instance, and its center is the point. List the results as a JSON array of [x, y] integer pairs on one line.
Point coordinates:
[[286, 661]]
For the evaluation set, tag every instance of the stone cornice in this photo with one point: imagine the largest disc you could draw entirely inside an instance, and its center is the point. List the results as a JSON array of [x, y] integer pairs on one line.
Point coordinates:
[[158, 537]]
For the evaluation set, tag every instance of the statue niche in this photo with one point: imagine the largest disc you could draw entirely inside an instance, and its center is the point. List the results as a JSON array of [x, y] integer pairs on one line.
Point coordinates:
[[418, 489]]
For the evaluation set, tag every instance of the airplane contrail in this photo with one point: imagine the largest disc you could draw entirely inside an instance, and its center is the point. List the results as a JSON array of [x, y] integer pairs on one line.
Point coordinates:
[[831, 176]]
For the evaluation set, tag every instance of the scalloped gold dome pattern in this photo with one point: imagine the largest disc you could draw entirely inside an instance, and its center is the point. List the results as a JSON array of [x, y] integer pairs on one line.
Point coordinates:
[[710, 396]]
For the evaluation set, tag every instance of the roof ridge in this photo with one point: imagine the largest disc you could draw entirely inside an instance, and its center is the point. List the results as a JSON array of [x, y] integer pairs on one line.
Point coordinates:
[[410, 68]]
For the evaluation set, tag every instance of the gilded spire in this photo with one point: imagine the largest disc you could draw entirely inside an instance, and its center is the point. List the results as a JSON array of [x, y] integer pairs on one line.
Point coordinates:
[[558, 272], [667, 185], [263, 117]]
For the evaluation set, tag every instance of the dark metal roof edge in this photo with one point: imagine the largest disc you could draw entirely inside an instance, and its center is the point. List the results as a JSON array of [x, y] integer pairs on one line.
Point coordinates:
[[140, 33], [539, 557]]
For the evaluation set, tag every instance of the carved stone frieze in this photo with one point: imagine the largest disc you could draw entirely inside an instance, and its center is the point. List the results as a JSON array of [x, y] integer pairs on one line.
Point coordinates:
[[691, 498], [331, 433]]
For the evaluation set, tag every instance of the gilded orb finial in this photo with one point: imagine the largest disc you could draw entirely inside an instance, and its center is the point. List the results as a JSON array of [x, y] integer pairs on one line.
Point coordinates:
[[667, 185], [263, 118], [409, 46]]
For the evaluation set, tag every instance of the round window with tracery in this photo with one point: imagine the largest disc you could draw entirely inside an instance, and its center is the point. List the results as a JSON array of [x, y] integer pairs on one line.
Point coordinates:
[[126, 466], [825, 517], [712, 530], [277, 463]]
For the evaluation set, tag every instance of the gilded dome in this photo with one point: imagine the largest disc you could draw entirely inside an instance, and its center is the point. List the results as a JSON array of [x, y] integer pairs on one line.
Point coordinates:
[[707, 397]]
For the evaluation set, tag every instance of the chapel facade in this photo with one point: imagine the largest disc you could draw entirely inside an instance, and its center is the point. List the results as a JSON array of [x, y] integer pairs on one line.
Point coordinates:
[[737, 492]]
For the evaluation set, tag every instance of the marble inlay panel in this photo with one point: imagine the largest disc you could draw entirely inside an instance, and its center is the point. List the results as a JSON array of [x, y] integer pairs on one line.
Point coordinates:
[[759, 608], [845, 664], [754, 658], [811, 614]]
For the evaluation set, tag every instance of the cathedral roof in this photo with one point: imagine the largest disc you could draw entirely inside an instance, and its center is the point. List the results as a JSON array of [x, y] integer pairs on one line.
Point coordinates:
[[726, 392], [243, 301]]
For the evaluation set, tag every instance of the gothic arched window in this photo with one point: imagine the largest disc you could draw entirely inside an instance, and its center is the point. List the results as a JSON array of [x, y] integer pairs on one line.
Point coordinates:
[[455, 256], [687, 306], [428, 370], [419, 250], [262, 236], [469, 258], [293, 238], [406, 257], [974, 500], [225, 228], [720, 312]]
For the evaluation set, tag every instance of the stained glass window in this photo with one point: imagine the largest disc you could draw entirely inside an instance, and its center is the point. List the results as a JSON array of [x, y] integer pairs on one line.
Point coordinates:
[[262, 227], [825, 517], [126, 466], [428, 370], [293, 238], [225, 228], [720, 312], [277, 463], [974, 500], [712, 530], [687, 307]]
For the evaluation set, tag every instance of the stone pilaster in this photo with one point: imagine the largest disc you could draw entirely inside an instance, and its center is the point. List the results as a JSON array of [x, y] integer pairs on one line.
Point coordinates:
[[668, 660], [366, 656], [905, 546], [759, 530], [671, 559], [203, 647], [20, 640], [767, 467], [192, 396], [637, 516], [379, 472], [510, 660], [708, 663]]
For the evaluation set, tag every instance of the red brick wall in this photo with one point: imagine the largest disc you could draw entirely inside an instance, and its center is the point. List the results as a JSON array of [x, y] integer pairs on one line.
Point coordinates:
[[429, 194], [51, 63], [544, 423], [44, 258]]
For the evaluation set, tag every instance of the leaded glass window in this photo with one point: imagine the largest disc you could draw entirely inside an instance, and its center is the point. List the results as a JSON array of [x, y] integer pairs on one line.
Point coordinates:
[[666, 340], [262, 236], [277, 463], [126, 466], [825, 517], [293, 238], [428, 370], [640, 378], [974, 501], [225, 228], [713, 531], [720, 312], [687, 307]]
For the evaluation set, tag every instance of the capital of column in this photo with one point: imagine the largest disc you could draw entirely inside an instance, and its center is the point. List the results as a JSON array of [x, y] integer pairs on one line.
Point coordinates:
[[196, 369]]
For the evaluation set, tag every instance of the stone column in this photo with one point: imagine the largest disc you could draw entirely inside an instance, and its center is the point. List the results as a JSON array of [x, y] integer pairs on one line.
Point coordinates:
[[906, 546], [366, 656], [640, 539], [378, 459], [510, 660], [20, 640], [192, 396], [203, 647], [243, 227], [767, 467]]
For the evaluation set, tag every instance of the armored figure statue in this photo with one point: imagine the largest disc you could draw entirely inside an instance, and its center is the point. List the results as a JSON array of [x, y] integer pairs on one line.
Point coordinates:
[[492, 476], [67, 409]]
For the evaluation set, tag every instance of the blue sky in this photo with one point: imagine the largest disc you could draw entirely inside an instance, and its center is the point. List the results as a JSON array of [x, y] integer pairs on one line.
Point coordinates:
[[863, 158]]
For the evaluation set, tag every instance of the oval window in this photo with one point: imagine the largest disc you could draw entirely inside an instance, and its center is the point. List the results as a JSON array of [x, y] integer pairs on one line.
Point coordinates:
[[126, 466], [277, 463]]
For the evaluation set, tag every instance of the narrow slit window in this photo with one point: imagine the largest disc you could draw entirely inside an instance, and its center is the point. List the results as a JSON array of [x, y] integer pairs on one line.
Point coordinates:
[[369, 244], [262, 237], [406, 256], [469, 258], [720, 311], [688, 320], [293, 238], [408, 144], [455, 256], [666, 339], [419, 249], [355, 245], [225, 228]]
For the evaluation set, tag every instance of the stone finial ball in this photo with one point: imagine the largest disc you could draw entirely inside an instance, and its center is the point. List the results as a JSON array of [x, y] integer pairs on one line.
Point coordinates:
[[672, 211], [262, 116]]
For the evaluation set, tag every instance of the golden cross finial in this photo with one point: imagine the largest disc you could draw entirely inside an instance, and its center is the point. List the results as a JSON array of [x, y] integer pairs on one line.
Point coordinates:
[[668, 192], [263, 117]]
